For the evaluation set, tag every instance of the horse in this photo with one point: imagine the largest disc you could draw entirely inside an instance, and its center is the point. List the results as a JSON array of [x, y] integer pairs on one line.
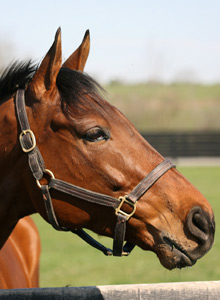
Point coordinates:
[[69, 155], [19, 257]]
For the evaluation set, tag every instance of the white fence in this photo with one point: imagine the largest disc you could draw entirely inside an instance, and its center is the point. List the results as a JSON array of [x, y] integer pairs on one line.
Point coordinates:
[[206, 290]]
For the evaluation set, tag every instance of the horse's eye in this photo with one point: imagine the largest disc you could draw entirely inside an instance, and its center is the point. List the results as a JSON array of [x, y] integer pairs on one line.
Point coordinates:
[[96, 135]]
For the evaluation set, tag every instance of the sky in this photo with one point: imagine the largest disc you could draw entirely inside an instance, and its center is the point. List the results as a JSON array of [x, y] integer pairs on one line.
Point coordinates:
[[131, 41]]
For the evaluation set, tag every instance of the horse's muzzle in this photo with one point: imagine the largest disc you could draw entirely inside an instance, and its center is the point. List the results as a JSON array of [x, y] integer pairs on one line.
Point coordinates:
[[201, 228]]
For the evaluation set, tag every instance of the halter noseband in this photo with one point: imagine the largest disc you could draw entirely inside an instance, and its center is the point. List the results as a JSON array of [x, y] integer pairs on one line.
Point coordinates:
[[37, 166]]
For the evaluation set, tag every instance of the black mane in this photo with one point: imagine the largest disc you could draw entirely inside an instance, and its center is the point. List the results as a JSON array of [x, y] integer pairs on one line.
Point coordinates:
[[75, 87], [16, 76], [79, 90]]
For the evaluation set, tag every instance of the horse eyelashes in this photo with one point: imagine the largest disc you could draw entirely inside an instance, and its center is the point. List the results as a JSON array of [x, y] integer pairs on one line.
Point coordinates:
[[96, 135]]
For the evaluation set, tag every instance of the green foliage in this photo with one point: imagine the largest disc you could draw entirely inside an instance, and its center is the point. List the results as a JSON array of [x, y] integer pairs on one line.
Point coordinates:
[[66, 260], [159, 107]]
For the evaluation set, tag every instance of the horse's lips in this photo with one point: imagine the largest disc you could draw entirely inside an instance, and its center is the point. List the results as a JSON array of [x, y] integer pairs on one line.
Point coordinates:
[[184, 260], [173, 256]]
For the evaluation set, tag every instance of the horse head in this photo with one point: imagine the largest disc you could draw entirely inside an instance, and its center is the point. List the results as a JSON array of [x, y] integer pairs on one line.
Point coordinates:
[[89, 143]]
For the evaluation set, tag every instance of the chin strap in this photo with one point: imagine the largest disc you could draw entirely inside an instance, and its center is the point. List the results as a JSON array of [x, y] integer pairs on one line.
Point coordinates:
[[37, 166]]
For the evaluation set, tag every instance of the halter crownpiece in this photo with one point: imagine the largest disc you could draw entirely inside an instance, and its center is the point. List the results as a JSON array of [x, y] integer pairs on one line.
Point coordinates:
[[36, 163]]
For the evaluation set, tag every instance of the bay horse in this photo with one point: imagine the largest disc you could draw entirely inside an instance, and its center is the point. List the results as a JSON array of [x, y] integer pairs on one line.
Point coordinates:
[[19, 257], [69, 155]]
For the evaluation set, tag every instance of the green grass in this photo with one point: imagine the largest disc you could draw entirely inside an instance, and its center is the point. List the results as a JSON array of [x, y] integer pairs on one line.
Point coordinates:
[[186, 107], [66, 260]]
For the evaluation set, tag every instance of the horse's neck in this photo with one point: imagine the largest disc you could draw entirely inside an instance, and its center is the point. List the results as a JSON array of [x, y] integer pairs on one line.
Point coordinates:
[[8, 130], [12, 203]]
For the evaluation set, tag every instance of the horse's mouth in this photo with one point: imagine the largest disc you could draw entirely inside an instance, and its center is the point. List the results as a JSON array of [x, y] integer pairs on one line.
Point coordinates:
[[174, 255]]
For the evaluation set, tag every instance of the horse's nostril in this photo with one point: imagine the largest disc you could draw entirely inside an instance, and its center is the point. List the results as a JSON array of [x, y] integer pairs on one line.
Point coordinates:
[[199, 224]]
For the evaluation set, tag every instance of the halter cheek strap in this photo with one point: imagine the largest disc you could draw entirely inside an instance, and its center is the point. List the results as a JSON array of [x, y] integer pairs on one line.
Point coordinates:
[[37, 166]]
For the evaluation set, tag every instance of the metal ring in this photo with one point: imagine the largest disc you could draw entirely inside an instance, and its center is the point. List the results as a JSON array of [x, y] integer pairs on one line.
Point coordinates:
[[46, 171]]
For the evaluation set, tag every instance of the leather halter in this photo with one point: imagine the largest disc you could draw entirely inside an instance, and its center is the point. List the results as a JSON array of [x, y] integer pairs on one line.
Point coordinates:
[[37, 166]]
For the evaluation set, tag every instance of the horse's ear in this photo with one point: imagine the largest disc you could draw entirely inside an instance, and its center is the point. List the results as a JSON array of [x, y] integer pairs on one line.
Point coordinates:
[[45, 77], [78, 59]]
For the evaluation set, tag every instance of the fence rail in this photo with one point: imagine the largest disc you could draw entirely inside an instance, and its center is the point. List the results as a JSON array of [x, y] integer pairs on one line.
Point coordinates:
[[181, 144], [169, 291]]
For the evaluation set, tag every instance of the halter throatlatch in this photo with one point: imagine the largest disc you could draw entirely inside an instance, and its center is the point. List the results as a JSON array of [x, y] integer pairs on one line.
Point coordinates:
[[37, 166]]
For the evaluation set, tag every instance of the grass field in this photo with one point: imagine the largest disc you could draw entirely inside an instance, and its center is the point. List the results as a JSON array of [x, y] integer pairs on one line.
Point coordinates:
[[66, 260], [183, 107]]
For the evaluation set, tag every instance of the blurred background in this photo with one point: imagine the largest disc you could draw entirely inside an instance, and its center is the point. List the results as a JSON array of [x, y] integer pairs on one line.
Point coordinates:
[[159, 63]]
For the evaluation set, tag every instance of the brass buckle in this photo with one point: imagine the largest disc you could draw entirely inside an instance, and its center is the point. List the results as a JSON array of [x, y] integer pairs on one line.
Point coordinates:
[[47, 172], [24, 132], [125, 199]]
